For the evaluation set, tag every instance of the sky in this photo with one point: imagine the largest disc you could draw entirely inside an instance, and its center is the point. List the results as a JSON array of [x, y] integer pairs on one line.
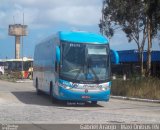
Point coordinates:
[[46, 17]]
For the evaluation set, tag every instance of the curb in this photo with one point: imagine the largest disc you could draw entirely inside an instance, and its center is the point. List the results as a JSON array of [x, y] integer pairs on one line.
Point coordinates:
[[135, 99], [23, 81]]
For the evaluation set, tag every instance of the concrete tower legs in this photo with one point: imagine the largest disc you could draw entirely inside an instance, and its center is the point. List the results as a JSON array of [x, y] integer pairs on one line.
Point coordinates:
[[17, 47]]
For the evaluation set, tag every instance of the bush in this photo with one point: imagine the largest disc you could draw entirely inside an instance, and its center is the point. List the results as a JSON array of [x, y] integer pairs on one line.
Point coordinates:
[[8, 77], [141, 88]]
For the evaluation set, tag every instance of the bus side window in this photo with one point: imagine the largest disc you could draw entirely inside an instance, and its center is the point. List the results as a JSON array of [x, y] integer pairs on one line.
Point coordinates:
[[56, 66], [57, 62]]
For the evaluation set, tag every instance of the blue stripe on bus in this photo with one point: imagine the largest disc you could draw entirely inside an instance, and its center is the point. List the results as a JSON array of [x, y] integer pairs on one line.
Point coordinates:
[[65, 94]]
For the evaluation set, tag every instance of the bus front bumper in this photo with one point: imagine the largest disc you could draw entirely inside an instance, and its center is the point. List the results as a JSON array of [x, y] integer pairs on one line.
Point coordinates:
[[69, 94]]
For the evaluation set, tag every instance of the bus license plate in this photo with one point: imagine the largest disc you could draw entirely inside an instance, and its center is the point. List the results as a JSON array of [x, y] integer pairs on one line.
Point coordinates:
[[85, 97]]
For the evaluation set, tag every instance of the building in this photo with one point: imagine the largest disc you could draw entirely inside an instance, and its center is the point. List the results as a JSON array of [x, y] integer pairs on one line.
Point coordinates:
[[129, 63]]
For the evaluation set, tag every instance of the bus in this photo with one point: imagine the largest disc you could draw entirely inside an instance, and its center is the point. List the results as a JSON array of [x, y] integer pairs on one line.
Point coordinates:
[[1, 67], [73, 66], [14, 67]]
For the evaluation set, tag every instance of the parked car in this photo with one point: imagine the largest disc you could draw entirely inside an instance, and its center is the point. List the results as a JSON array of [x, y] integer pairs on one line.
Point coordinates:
[[1, 70]]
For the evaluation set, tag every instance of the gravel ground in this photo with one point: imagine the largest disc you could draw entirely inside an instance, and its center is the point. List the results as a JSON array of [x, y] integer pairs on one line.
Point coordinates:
[[20, 104]]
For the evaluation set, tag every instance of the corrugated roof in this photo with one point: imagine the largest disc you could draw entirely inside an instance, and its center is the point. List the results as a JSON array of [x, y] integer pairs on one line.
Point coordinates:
[[133, 56]]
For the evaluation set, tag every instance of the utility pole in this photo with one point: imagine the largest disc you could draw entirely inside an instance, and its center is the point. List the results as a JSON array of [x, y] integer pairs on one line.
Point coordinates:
[[22, 49]]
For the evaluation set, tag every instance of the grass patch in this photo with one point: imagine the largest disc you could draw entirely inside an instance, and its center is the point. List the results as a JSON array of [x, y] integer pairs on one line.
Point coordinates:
[[7, 77], [140, 88]]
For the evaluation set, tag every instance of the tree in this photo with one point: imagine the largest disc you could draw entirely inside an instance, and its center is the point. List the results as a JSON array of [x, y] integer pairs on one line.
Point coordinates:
[[153, 25], [130, 16]]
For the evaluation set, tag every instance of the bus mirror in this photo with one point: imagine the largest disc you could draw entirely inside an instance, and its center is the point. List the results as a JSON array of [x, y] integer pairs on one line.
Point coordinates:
[[58, 54], [114, 57]]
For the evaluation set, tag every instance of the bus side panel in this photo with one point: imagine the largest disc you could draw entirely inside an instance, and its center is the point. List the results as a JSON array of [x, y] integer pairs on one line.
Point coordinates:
[[44, 64], [49, 66], [37, 64]]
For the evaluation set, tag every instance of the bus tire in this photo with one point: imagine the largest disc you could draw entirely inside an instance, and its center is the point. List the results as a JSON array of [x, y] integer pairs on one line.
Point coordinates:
[[53, 99], [37, 89], [94, 102]]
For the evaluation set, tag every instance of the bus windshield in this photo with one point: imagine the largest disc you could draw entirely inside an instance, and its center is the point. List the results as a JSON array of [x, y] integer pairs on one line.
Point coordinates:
[[87, 63]]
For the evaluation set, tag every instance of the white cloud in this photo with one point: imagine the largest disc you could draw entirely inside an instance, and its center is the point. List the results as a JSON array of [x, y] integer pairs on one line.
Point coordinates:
[[56, 3], [41, 13], [86, 16]]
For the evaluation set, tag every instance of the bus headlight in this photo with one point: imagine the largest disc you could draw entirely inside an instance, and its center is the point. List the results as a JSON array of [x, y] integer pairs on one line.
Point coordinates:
[[103, 89], [68, 87], [105, 86], [65, 84]]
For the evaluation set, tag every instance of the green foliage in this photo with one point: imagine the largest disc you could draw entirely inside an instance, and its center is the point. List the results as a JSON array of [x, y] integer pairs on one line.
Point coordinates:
[[152, 10], [140, 88], [131, 16], [128, 14], [8, 77], [137, 18]]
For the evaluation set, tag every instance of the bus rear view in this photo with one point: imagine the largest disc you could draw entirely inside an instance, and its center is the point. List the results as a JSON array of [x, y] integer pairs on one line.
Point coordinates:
[[79, 67]]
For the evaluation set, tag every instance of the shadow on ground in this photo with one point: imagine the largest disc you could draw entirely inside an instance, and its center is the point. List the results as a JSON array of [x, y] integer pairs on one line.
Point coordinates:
[[30, 97]]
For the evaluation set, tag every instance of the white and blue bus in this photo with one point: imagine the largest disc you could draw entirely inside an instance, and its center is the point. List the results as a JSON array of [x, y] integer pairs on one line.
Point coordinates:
[[73, 66]]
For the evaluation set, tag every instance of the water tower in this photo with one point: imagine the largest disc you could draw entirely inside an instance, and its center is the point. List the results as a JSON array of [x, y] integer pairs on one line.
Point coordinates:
[[17, 30]]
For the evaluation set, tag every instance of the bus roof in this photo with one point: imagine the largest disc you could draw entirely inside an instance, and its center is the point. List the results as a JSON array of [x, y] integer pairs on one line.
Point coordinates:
[[82, 37]]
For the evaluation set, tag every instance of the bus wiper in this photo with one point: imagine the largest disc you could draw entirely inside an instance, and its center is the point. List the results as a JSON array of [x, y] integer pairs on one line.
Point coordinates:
[[89, 67], [96, 77], [79, 72]]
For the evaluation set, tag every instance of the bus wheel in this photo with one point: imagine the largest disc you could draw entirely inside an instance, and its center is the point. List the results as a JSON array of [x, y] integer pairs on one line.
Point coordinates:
[[51, 93], [93, 102], [37, 90]]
